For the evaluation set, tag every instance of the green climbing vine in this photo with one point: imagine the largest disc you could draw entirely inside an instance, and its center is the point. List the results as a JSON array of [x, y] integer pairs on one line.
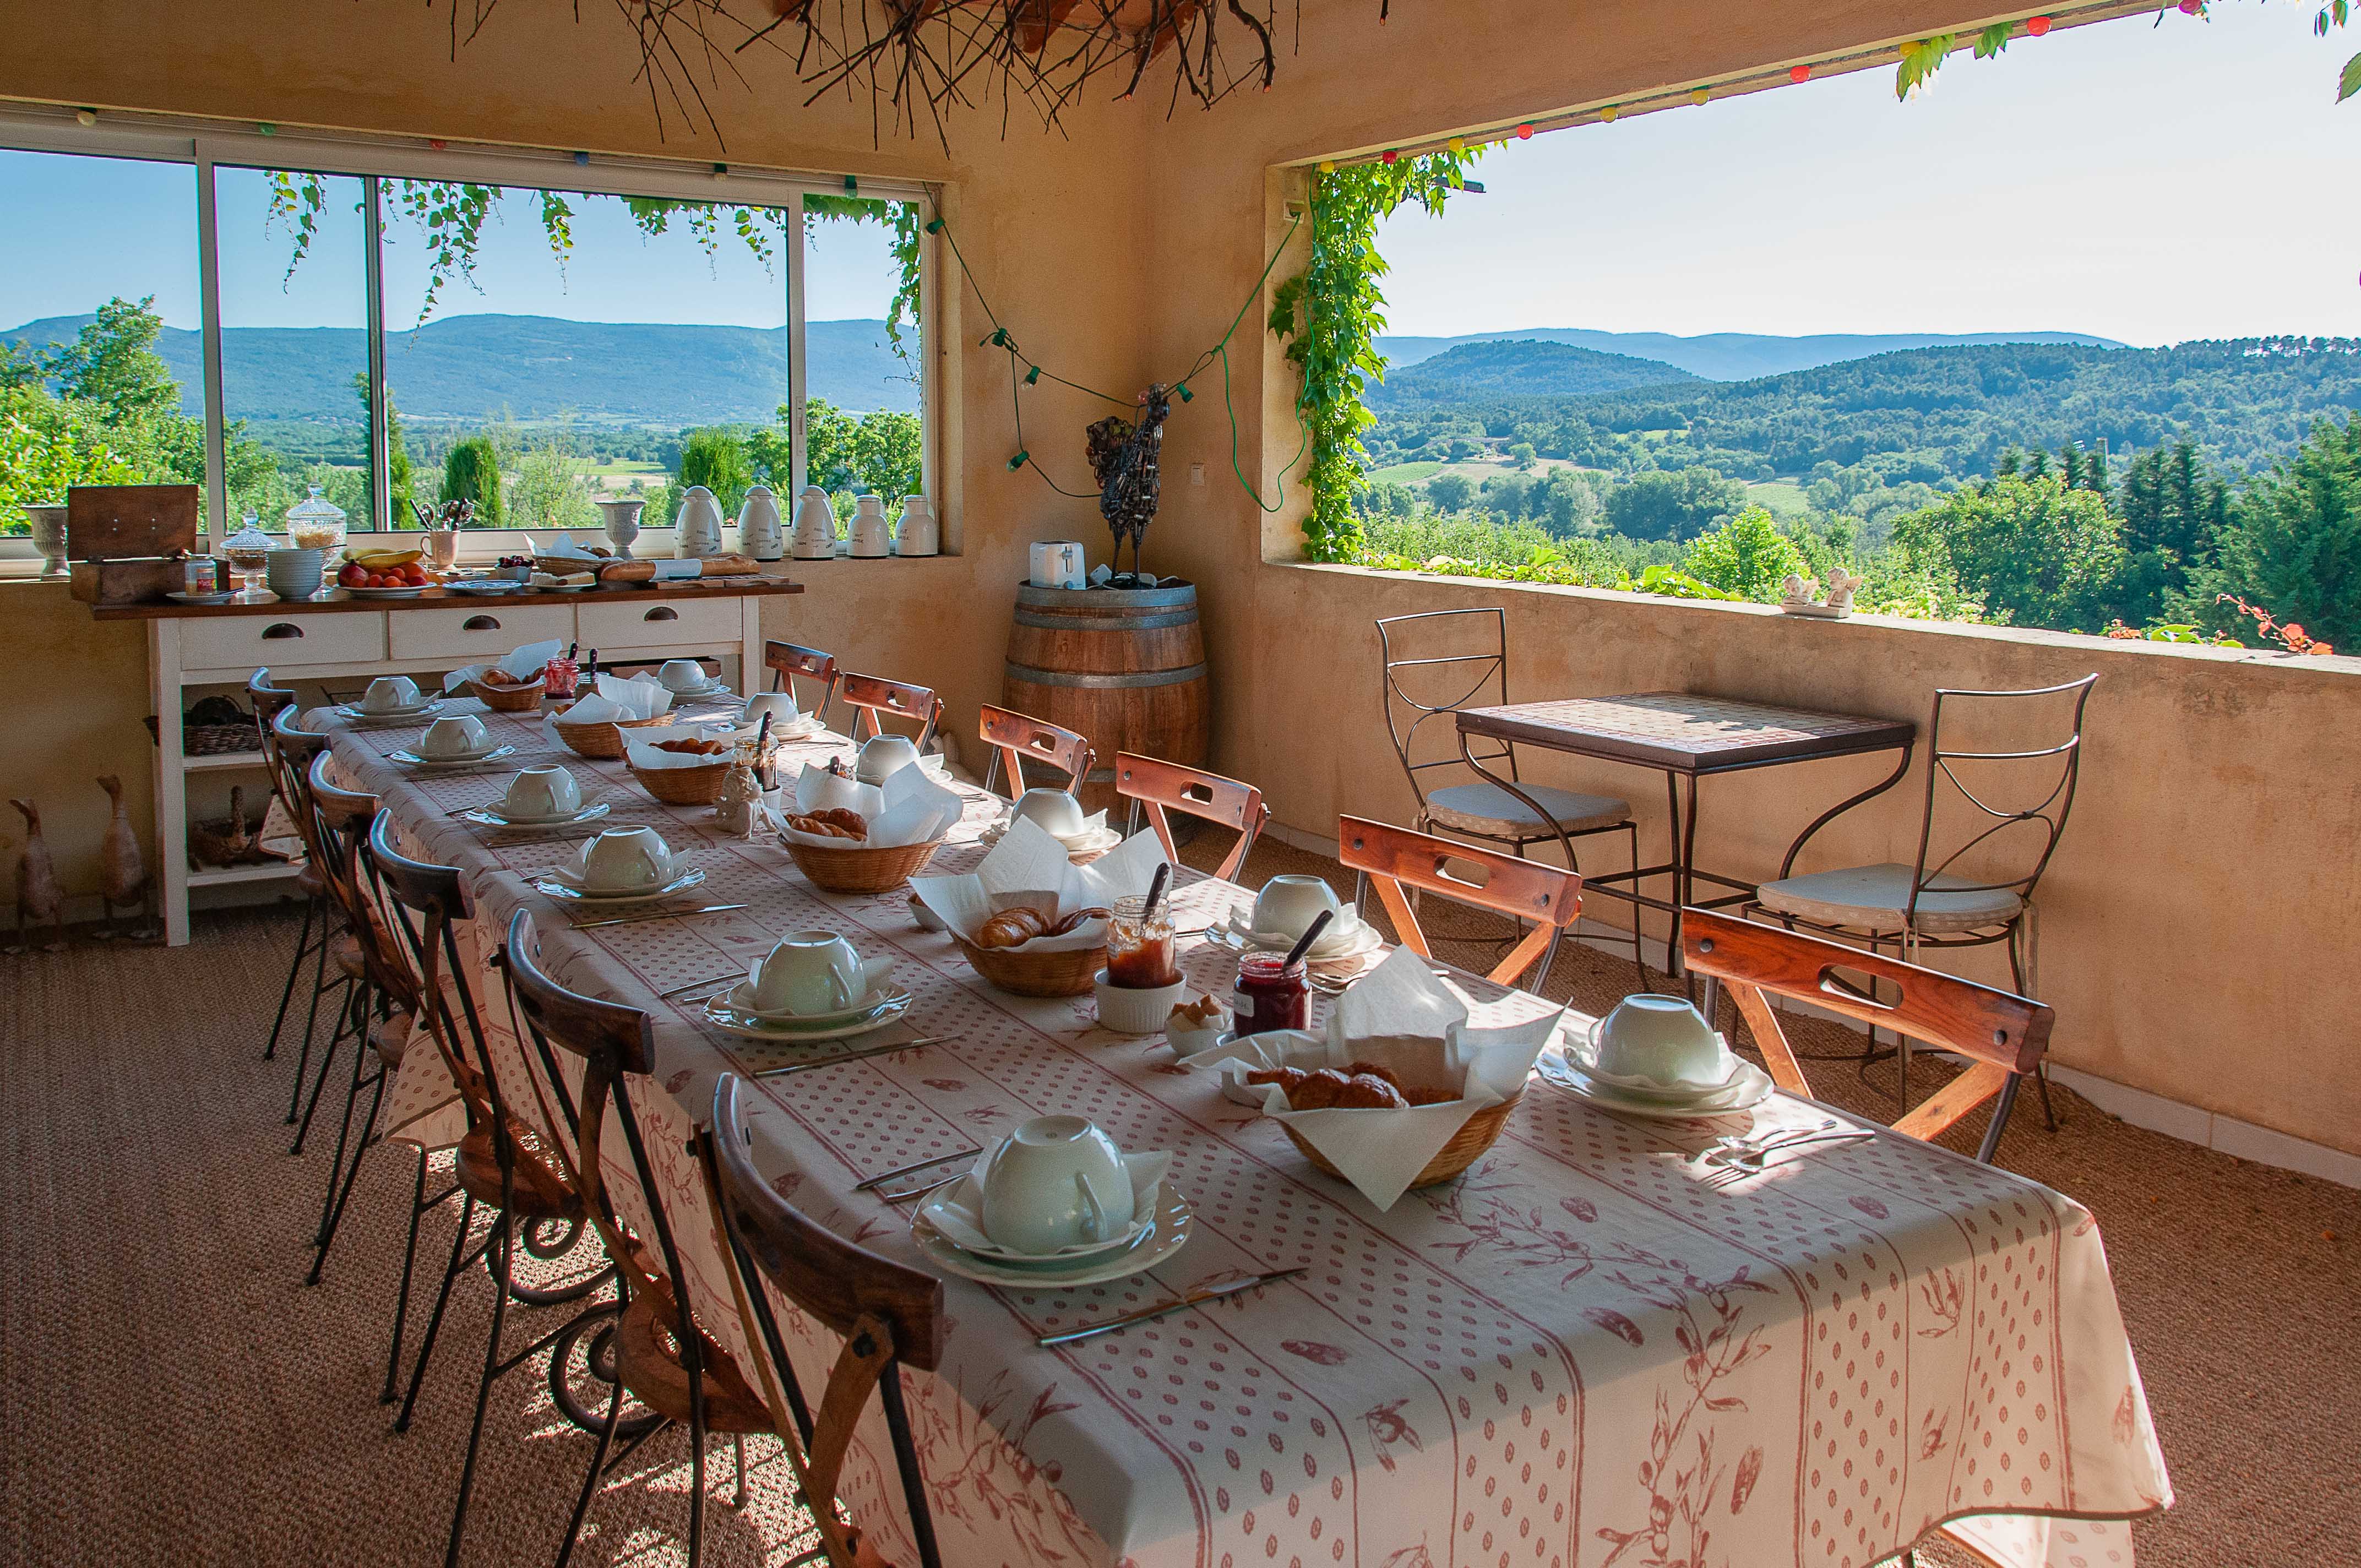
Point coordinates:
[[1924, 57], [1331, 314]]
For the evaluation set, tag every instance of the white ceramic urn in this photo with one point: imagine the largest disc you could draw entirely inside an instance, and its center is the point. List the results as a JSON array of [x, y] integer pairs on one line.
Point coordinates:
[[873, 537], [918, 535], [815, 526], [699, 524], [761, 532]]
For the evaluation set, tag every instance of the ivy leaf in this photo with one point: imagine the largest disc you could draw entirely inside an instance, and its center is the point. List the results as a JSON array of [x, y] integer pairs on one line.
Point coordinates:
[[1920, 61], [1994, 39], [2349, 83]]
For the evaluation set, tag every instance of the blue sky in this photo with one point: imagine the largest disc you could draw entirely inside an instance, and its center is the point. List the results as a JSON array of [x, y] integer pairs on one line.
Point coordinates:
[[2147, 183]]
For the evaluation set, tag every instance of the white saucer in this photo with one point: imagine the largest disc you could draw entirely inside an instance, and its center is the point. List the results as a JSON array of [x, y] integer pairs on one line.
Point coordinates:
[[386, 593], [420, 760], [203, 599], [1347, 936], [1092, 842], [566, 892], [801, 726], [1748, 1088], [698, 694], [488, 586], [494, 816], [1173, 1219], [731, 1020], [951, 1208], [880, 997], [426, 710]]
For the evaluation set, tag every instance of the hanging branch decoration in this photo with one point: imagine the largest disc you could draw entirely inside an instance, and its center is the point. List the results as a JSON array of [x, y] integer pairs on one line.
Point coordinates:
[[1922, 58]]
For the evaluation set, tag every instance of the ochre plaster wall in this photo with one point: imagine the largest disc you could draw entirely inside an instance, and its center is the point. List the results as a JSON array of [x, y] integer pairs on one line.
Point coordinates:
[[79, 690]]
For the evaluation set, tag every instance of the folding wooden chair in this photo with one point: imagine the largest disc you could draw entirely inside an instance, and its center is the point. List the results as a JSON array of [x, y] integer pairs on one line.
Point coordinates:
[[872, 696], [1388, 856], [1012, 736], [286, 752], [1154, 787], [889, 1315], [2003, 1036], [785, 661]]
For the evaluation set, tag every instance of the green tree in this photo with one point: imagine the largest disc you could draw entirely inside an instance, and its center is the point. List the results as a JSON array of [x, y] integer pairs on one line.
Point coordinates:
[[552, 488], [113, 362], [22, 366], [2028, 546], [401, 479], [1451, 492], [46, 445], [2292, 544], [1747, 556], [718, 460], [472, 473], [1672, 506]]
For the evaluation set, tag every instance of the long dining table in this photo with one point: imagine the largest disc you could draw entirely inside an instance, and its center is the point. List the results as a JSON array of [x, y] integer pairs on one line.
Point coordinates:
[[1582, 1352]]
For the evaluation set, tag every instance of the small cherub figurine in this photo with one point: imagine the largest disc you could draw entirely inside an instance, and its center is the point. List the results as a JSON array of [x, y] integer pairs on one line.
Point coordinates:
[[1842, 586], [1796, 590]]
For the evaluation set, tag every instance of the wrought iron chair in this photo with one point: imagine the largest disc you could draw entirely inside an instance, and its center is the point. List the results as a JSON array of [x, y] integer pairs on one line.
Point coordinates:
[[1011, 737], [1926, 904], [662, 1356], [1388, 856], [785, 661], [889, 1315], [1156, 786], [2003, 1036], [1423, 686], [871, 696], [288, 749]]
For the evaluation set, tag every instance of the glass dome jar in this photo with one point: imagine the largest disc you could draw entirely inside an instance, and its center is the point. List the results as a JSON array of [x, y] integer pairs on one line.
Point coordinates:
[[248, 554], [316, 524]]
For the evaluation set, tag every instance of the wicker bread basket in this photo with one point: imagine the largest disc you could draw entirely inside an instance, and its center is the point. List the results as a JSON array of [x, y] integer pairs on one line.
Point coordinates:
[[684, 786], [1475, 1135], [1052, 973], [603, 741], [525, 698], [857, 868]]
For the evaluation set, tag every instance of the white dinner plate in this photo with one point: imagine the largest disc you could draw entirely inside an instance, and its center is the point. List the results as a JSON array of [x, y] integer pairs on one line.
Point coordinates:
[[426, 710], [1748, 1088], [492, 815], [489, 585], [202, 598], [880, 996], [715, 687], [733, 1020], [565, 894], [1174, 1219], [386, 593], [420, 760]]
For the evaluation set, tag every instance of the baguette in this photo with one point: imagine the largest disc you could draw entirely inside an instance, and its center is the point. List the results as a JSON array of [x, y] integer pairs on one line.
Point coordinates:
[[710, 566]]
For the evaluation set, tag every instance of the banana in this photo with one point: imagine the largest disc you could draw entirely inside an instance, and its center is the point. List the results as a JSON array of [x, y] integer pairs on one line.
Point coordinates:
[[381, 560]]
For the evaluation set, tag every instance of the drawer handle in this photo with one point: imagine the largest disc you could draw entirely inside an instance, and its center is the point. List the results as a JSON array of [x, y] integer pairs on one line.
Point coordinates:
[[281, 629], [480, 623], [662, 612]]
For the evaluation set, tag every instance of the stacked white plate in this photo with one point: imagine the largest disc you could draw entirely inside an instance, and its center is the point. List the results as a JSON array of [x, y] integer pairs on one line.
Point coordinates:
[[734, 1012], [1574, 1066], [565, 884], [426, 708], [949, 1228]]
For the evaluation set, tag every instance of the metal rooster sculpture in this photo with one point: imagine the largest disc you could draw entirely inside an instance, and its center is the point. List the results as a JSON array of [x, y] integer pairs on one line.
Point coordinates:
[[1124, 456]]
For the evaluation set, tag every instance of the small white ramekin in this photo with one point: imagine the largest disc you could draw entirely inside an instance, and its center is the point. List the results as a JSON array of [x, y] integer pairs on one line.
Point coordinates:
[[1130, 1011]]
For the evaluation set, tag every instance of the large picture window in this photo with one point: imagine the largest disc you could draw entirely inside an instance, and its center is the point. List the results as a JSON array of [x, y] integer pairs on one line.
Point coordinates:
[[530, 334]]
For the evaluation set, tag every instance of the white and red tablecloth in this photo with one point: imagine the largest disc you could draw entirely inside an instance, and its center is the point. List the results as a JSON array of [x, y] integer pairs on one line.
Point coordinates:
[[1576, 1354]]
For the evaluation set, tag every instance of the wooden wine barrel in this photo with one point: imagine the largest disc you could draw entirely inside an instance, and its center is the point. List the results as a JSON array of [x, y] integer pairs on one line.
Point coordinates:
[[1124, 667]]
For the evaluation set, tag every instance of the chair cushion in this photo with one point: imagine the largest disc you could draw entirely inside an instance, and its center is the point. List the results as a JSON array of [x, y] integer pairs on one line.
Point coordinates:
[[1872, 898], [1488, 809]]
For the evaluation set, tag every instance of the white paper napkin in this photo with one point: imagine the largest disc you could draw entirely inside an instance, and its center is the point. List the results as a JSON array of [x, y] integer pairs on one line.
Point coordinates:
[[1030, 867], [909, 807], [1405, 1018], [564, 548], [525, 663], [643, 696]]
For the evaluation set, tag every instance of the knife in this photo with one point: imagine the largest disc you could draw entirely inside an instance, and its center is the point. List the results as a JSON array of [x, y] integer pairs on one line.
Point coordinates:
[[846, 1056], [1148, 1314], [666, 914]]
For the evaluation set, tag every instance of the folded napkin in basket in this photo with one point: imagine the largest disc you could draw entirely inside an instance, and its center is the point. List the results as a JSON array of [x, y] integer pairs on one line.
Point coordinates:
[[1405, 1018], [525, 663], [1030, 867], [909, 807], [649, 756], [566, 548]]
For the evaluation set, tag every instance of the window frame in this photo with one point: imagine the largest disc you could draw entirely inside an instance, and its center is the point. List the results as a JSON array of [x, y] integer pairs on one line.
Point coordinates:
[[205, 145]]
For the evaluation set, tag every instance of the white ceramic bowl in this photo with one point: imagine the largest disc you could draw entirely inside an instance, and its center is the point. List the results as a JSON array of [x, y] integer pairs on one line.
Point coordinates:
[[295, 574], [682, 675], [1661, 1043], [543, 790], [1056, 1182], [1052, 810], [883, 756], [1130, 1011], [390, 692], [1289, 905], [457, 735], [779, 706], [625, 859], [807, 973]]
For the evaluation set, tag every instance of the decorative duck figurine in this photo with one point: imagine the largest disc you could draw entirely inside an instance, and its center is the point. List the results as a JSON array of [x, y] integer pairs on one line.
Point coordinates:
[[40, 899], [123, 873]]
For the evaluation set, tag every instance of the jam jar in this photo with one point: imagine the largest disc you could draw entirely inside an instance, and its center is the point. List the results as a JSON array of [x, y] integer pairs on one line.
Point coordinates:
[[1272, 993], [1140, 946]]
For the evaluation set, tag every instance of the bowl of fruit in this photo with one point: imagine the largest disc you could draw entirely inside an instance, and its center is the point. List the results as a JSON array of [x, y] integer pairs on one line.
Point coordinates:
[[384, 573]]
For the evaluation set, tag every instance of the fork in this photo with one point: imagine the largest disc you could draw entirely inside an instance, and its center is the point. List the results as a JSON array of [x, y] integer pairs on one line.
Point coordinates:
[[1740, 1168]]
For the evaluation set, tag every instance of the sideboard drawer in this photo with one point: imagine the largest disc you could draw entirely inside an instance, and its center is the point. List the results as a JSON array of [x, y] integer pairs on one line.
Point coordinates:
[[290, 641], [612, 628], [468, 634]]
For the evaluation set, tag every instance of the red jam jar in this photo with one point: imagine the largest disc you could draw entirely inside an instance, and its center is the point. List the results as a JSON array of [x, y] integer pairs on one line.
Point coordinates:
[[560, 677], [1272, 993]]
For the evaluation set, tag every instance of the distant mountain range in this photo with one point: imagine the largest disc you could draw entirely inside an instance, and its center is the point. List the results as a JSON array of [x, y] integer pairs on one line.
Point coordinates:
[[1520, 367], [1728, 355], [533, 367]]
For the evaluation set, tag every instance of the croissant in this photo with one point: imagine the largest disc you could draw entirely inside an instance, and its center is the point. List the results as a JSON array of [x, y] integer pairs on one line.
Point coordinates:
[[822, 827], [1415, 1096], [1011, 927], [1327, 1089]]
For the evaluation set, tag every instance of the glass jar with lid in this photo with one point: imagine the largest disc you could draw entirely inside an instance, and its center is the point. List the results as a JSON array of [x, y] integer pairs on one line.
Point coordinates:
[[316, 524], [248, 554]]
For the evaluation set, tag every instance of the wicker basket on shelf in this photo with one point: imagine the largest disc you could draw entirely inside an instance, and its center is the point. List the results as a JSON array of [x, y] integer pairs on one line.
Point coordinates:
[[857, 868], [525, 698], [603, 741], [1466, 1147], [684, 786], [1053, 973]]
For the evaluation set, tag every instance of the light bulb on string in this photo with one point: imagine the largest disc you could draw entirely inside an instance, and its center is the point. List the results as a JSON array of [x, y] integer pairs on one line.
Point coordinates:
[[85, 117], [1457, 144], [1699, 96], [2037, 25], [1525, 132], [1606, 116], [1799, 73]]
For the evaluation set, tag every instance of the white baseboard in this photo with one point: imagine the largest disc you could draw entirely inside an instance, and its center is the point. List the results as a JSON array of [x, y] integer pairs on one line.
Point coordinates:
[[2190, 1123]]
